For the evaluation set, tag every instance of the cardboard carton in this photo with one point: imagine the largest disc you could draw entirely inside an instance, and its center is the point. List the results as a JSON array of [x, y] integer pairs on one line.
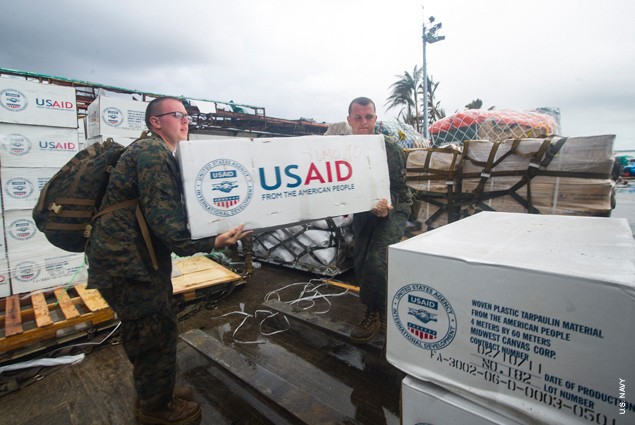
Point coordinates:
[[47, 271], [21, 187], [33, 262], [112, 116], [531, 311], [37, 146], [5, 279], [29, 102], [272, 182], [426, 403]]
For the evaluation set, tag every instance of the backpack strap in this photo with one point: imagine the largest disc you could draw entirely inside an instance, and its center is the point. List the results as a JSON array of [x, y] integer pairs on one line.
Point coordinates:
[[145, 232]]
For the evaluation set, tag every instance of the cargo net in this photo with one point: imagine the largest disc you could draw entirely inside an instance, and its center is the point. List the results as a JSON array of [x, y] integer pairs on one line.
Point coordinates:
[[322, 247], [559, 175], [397, 132], [476, 124]]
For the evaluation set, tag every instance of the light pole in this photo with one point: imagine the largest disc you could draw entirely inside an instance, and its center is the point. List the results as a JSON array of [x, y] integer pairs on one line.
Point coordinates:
[[429, 36]]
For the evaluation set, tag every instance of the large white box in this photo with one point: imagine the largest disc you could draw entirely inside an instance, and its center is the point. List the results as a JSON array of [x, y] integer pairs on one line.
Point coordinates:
[[112, 116], [534, 312], [34, 263], [28, 102], [24, 240], [21, 187], [5, 279], [37, 146], [426, 403], [43, 272], [269, 182]]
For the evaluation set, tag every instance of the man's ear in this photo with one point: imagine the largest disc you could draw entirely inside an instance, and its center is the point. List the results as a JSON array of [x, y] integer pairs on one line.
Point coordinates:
[[156, 122]]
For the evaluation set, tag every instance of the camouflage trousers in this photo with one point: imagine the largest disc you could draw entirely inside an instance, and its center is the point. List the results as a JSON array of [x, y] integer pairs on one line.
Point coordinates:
[[149, 333], [370, 253]]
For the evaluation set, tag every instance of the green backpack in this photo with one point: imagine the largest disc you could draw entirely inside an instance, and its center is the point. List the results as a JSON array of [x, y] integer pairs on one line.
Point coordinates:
[[70, 200]]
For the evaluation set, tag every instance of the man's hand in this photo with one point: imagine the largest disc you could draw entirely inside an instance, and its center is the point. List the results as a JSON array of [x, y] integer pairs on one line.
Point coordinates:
[[231, 236], [382, 208]]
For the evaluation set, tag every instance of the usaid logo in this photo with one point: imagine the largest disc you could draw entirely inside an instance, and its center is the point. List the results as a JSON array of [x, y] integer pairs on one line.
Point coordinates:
[[22, 229], [16, 144], [424, 316], [56, 146], [52, 104], [13, 100], [18, 187], [26, 271], [224, 187], [112, 116]]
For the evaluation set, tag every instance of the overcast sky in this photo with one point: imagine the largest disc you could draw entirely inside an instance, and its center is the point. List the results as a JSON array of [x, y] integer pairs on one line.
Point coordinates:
[[310, 58]]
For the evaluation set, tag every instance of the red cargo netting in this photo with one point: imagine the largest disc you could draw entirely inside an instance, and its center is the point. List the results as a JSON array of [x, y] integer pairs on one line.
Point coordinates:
[[476, 124]]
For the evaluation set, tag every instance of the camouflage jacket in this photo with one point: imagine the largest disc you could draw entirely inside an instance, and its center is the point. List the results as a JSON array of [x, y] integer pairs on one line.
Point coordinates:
[[400, 194], [146, 171]]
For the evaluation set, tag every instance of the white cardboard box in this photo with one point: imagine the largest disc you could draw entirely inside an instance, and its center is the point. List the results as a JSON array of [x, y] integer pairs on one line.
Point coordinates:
[[24, 240], [270, 182], [112, 116], [28, 102], [34, 263], [534, 312], [43, 272], [426, 403], [21, 187], [5, 279], [37, 146]]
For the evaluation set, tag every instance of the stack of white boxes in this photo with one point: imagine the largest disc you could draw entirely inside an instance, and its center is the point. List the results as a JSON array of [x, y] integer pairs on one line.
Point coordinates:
[[529, 316], [123, 120], [38, 134]]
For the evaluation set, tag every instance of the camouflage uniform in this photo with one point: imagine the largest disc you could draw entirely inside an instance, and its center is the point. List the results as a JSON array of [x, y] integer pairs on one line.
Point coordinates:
[[121, 268], [373, 234]]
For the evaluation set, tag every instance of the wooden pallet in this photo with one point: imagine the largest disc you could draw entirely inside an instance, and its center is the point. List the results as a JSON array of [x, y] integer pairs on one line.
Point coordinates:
[[26, 319], [198, 274], [40, 315]]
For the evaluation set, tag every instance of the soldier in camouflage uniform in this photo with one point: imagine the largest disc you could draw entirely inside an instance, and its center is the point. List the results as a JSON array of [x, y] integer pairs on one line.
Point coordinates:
[[138, 288], [376, 229]]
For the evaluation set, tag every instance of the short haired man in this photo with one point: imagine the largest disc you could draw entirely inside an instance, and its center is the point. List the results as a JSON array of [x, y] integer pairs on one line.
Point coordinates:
[[121, 267], [376, 229]]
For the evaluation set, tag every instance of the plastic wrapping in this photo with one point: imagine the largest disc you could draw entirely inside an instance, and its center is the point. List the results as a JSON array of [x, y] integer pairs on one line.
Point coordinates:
[[403, 134], [321, 246]]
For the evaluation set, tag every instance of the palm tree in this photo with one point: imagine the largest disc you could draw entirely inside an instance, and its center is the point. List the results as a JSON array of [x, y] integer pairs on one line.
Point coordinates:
[[434, 106], [475, 104], [478, 104], [405, 94]]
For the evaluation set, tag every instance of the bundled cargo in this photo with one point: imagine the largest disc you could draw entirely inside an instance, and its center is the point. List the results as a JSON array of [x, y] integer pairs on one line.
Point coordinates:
[[562, 176], [401, 133], [431, 173], [321, 246], [398, 132], [476, 124]]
